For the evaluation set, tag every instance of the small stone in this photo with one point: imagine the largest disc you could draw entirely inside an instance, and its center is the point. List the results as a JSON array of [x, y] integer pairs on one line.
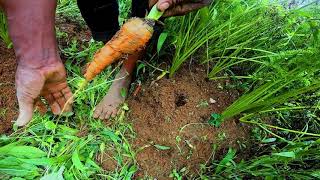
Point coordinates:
[[212, 101]]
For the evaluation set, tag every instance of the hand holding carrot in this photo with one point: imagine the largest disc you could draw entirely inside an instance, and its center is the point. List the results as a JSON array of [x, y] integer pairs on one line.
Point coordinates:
[[178, 7], [136, 32]]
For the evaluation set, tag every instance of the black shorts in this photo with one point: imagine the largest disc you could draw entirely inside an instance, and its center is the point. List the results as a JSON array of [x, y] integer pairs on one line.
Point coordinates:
[[102, 16]]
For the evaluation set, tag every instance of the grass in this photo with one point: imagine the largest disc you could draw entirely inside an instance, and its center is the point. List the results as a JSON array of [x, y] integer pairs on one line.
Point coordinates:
[[4, 34], [294, 161]]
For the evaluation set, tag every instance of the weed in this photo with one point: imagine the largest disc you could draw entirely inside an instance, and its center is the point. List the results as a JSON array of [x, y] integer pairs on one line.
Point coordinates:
[[4, 34], [203, 104], [3, 112], [222, 136], [178, 175], [295, 158]]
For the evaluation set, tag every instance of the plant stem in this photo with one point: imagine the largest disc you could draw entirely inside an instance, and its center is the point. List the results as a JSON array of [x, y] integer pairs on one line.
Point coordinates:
[[154, 14], [280, 128]]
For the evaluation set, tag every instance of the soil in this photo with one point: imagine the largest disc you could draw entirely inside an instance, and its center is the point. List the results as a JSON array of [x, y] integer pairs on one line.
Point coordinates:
[[8, 102], [174, 113]]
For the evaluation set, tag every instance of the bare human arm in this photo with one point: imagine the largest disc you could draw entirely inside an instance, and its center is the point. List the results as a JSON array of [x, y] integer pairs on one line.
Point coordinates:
[[40, 71]]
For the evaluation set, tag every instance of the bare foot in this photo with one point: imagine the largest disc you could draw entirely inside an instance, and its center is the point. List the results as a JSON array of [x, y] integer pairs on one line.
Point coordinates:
[[108, 107], [48, 81]]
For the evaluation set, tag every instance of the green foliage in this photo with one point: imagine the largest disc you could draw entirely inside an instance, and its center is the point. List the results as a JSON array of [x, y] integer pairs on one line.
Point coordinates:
[[68, 8], [230, 33], [297, 160], [190, 32], [278, 88], [215, 120], [41, 150], [277, 52], [4, 34], [124, 9]]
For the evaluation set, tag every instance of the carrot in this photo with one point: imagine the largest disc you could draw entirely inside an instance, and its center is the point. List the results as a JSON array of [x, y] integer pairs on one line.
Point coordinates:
[[132, 37]]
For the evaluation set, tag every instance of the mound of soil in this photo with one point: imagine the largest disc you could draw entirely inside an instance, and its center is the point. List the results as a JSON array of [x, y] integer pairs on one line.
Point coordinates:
[[8, 102], [173, 113]]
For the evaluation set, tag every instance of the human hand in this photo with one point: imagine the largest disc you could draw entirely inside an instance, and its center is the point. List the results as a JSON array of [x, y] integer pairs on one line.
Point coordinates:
[[178, 7], [40, 71], [48, 82]]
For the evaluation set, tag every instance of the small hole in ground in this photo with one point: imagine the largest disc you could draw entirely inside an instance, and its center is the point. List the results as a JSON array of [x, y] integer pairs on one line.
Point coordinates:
[[181, 99]]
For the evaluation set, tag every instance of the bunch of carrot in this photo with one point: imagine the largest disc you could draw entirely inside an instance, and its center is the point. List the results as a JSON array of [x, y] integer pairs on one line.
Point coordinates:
[[132, 37]]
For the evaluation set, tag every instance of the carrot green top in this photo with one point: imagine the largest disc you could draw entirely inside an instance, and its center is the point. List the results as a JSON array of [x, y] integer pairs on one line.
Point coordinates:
[[154, 14]]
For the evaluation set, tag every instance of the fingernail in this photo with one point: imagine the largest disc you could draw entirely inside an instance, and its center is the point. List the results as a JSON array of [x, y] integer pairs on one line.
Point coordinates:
[[164, 6]]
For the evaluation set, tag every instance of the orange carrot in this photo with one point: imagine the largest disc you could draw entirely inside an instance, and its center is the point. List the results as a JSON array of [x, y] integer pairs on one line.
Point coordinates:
[[132, 37]]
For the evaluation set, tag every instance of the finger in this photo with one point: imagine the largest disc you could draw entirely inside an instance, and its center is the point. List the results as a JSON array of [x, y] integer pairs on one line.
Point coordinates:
[[152, 3], [182, 9], [163, 5], [68, 95], [53, 87], [67, 107], [58, 97], [69, 99], [40, 106], [55, 108], [62, 101], [26, 106]]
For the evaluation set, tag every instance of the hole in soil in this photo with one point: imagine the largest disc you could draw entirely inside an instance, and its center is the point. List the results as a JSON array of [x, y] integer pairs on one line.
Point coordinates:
[[181, 99]]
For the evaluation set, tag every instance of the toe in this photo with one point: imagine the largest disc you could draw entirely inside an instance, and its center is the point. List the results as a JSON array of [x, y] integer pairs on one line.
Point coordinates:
[[119, 111], [114, 114], [107, 115], [97, 112], [104, 113]]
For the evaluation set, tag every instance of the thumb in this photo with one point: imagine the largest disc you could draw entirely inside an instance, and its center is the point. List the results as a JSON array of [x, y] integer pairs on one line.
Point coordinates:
[[26, 106], [164, 4]]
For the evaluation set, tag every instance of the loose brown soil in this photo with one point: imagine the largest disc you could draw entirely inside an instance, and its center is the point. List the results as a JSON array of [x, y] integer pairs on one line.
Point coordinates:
[[8, 102], [174, 113]]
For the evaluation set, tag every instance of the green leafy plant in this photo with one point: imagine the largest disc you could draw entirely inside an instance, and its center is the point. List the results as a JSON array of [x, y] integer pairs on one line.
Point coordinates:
[[294, 161], [4, 34]]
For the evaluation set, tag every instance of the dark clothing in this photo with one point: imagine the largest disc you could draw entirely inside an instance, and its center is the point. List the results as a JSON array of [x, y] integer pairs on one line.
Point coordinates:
[[102, 16]]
